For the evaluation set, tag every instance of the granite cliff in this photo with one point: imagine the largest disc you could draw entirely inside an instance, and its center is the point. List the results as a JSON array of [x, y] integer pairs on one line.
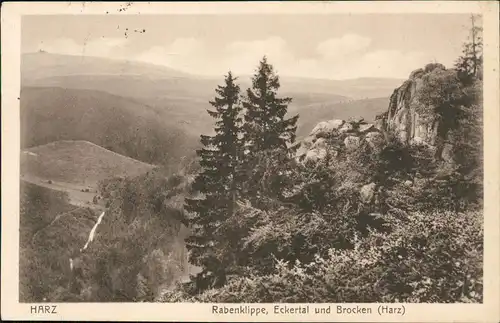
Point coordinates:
[[424, 109], [402, 117]]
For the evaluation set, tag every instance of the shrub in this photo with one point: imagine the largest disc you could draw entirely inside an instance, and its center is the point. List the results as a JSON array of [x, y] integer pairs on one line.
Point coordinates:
[[428, 258]]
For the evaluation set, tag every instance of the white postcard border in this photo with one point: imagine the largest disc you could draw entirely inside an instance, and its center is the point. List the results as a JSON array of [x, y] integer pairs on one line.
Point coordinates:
[[11, 24]]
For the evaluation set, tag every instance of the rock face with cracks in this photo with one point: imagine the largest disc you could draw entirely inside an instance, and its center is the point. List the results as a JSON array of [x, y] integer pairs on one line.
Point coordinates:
[[402, 117], [412, 115]]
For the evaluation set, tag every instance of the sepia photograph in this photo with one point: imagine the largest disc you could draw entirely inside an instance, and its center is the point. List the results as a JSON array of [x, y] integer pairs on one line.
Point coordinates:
[[305, 158]]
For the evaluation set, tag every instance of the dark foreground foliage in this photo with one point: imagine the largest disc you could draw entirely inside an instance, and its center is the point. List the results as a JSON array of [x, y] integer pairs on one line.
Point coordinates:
[[418, 239]]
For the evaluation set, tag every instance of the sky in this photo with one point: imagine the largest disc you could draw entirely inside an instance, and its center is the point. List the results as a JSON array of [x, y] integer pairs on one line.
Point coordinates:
[[330, 46]]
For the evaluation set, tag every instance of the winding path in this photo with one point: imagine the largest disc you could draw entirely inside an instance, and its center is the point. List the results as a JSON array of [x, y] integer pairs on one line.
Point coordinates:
[[90, 238], [92, 232]]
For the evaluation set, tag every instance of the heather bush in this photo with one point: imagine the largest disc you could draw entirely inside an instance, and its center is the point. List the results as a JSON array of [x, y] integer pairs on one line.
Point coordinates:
[[289, 234], [430, 257]]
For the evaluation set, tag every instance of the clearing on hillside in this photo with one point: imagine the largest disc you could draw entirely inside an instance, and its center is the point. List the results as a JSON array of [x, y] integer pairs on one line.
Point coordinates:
[[78, 163]]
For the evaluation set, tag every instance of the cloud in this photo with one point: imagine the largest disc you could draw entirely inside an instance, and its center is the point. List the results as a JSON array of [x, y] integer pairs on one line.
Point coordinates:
[[351, 56], [242, 57], [102, 47], [391, 63], [186, 46], [335, 48], [377, 63], [186, 54], [348, 56]]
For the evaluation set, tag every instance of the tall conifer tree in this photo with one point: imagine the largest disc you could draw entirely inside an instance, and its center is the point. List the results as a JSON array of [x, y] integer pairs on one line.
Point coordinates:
[[469, 64], [218, 185], [265, 124], [267, 132]]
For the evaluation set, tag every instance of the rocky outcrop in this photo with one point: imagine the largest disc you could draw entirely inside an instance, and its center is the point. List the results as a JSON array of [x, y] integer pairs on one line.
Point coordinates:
[[329, 138], [416, 115], [326, 127], [404, 118], [336, 137]]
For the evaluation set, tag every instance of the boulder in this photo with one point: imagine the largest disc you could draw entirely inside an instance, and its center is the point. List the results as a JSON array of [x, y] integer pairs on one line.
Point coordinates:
[[352, 142], [346, 128], [447, 153], [367, 193], [366, 127], [379, 124], [301, 151], [316, 154], [326, 127], [375, 139], [308, 141], [357, 119], [319, 144]]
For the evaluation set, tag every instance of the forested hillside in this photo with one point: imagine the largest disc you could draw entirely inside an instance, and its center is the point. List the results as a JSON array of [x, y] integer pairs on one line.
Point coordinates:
[[124, 126], [51, 230]]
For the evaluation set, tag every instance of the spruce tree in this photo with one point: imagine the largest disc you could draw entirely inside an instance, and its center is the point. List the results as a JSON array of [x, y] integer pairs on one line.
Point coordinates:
[[469, 64], [265, 124], [267, 132], [218, 185]]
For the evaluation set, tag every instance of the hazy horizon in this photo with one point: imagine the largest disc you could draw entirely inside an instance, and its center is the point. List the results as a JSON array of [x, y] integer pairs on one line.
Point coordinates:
[[334, 47], [212, 76]]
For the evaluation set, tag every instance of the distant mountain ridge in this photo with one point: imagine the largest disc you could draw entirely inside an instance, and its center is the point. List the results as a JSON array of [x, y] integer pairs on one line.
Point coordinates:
[[35, 66], [43, 64]]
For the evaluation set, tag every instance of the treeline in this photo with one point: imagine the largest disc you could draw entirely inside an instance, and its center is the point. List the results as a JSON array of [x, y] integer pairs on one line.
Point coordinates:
[[266, 228]]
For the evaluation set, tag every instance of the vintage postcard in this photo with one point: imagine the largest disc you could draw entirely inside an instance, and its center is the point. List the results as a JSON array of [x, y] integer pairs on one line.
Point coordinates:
[[250, 161]]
